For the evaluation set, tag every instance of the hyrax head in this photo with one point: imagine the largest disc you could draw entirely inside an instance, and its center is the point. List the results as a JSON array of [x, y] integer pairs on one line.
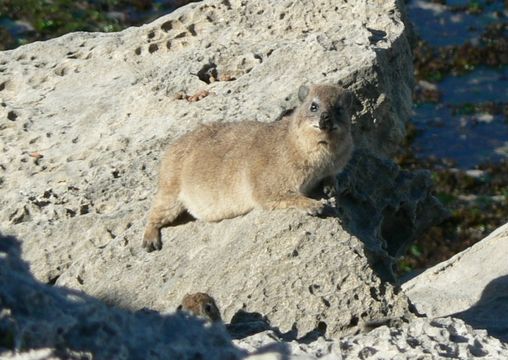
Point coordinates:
[[325, 108], [201, 305]]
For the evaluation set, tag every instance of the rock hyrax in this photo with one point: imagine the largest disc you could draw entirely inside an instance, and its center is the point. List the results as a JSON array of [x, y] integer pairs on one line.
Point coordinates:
[[223, 170], [201, 305]]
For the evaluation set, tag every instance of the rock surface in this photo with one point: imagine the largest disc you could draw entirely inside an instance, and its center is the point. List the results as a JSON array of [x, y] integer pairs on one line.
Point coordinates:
[[42, 322], [472, 285], [420, 339], [386, 207], [85, 117], [68, 324], [303, 273]]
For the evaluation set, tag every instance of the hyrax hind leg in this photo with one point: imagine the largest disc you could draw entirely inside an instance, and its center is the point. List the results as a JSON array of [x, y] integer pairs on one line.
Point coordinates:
[[165, 209]]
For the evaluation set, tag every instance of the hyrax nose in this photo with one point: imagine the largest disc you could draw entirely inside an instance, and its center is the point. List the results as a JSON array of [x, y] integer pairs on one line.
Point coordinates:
[[325, 121]]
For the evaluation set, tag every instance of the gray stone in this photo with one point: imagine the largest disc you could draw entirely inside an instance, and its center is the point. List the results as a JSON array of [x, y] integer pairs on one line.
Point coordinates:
[[99, 108], [94, 111], [420, 339], [84, 119], [302, 273], [68, 324], [386, 207], [42, 322], [424, 339], [472, 285]]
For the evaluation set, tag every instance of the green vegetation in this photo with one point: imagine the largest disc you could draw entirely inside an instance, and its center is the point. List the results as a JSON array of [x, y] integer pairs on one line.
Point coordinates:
[[26, 21], [477, 205]]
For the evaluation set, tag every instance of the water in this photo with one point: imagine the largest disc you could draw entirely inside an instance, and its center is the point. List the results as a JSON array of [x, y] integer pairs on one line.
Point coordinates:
[[465, 139], [440, 26], [482, 85], [452, 129]]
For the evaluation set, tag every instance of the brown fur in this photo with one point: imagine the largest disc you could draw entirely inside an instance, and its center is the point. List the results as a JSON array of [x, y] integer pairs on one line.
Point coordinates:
[[223, 170], [201, 305]]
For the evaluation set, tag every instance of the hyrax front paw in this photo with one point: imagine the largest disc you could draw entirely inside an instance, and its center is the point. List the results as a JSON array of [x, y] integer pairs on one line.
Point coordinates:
[[152, 239], [330, 191], [330, 187], [316, 208]]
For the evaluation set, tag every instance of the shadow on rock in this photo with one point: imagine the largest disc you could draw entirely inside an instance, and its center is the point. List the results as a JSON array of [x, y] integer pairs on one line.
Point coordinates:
[[244, 324], [491, 311], [386, 207], [70, 324]]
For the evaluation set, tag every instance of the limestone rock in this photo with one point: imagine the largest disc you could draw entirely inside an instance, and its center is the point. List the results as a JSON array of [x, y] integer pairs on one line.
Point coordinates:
[[84, 119], [420, 339], [302, 273], [42, 322], [386, 207], [68, 324], [426, 339], [472, 285]]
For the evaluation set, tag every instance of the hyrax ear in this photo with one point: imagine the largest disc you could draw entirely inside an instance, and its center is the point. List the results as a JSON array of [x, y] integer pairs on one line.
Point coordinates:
[[303, 91]]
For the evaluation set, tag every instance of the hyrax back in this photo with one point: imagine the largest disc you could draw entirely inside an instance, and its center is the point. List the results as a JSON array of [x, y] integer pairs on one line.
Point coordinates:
[[223, 170]]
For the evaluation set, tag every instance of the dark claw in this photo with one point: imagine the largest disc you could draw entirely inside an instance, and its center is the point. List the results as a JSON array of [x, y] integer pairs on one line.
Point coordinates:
[[152, 244]]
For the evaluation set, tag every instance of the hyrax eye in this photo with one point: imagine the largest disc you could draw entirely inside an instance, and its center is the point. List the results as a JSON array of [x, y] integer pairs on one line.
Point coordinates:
[[314, 107], [208, 308]]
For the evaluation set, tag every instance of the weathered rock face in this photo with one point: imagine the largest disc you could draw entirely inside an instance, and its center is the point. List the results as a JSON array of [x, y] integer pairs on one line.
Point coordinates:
[[68, 324], [40, 322], [84, 119], [420, 339], [386, 207], [99, 108], [302, 273], [472, 285]]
